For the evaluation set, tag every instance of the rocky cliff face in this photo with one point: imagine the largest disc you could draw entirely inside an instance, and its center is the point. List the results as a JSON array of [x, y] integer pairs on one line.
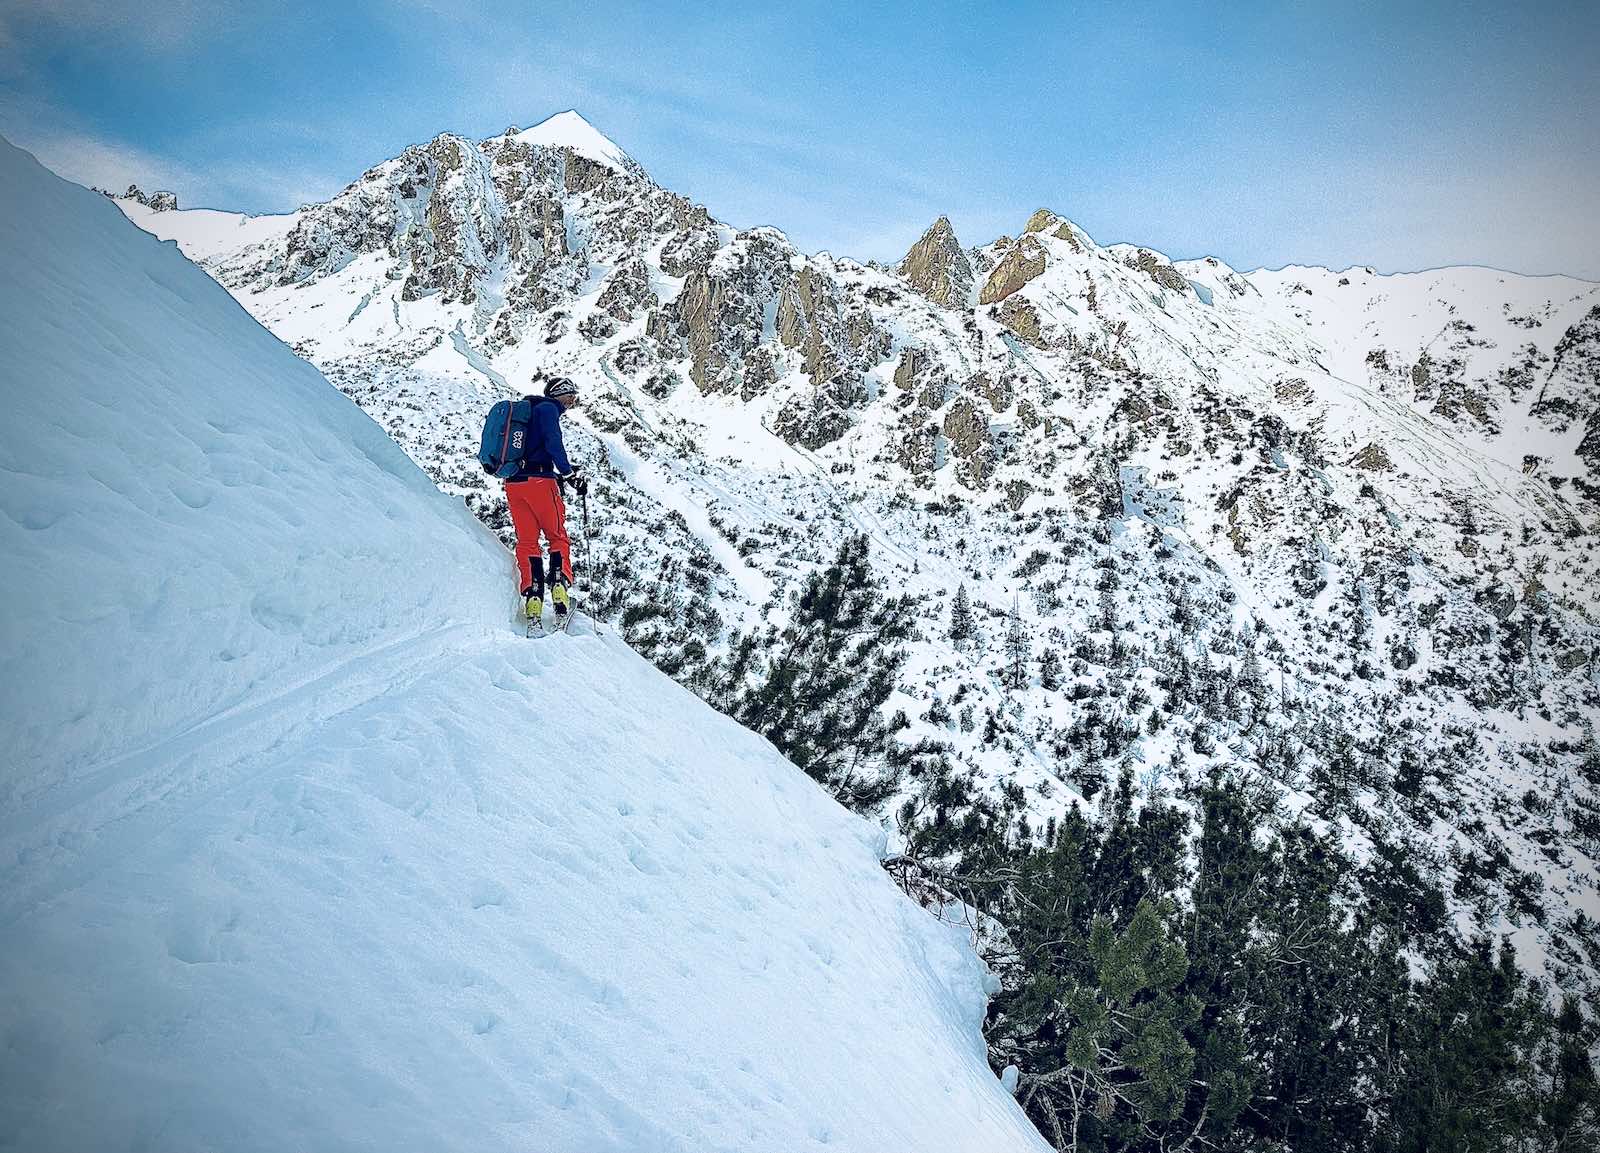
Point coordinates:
[[937, 268], [1569, 399], [1022, 262], [1379, 490]]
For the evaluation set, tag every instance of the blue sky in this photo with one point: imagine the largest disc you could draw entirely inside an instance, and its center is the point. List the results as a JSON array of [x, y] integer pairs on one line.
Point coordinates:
[[1402, 135]]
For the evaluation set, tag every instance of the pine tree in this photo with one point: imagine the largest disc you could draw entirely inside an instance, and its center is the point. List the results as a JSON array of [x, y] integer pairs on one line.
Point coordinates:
[[1183, 610], [961, 627], [815, 689], [1463, 1075], [1017, 649], [1572, 1114], [1251, 678], [1050, 670], [1107, 617], [1276, 1010]]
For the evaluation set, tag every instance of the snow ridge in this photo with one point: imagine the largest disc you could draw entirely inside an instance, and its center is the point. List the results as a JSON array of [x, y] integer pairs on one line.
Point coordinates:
[[302, 845]]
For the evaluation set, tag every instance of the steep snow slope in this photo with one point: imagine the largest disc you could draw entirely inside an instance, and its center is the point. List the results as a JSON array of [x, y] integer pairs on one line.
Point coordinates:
[[302, 847]]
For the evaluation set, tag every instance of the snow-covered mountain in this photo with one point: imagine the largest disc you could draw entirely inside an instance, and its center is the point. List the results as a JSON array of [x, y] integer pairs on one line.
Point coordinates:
[[303, 845], [1370, 499]]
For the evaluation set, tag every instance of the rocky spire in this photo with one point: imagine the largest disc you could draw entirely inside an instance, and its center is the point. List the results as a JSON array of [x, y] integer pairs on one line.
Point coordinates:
[[937, 268]]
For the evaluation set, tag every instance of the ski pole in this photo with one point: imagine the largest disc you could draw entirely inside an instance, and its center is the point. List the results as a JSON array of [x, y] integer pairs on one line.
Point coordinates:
[[584, 495], [588, 551]]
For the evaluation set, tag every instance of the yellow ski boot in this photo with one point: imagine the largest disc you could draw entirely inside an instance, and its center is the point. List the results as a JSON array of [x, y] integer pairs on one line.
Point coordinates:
[[563, 606]]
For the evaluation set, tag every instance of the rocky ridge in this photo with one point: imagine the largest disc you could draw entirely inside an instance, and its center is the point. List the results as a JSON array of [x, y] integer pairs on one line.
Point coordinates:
[[158, 201]]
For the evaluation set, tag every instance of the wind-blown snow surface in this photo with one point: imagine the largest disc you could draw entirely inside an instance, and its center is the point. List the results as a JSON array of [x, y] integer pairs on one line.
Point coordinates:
[[302, 847]]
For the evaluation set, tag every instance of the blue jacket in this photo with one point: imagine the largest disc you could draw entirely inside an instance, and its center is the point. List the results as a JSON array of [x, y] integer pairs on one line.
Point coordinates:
[[546, 455]]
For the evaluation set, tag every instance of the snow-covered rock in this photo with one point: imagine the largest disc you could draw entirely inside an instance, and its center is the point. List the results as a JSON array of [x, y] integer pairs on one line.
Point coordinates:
[[159, 201], [303, 845]]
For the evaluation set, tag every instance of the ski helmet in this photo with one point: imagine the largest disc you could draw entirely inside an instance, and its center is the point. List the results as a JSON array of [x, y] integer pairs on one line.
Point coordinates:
[[560, 386]]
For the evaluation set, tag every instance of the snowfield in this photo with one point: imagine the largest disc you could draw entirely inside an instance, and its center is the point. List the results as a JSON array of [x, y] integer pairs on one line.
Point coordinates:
[[302, 845]]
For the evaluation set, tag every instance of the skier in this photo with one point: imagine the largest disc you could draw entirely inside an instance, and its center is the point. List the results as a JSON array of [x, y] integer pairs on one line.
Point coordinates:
[[534, 496]]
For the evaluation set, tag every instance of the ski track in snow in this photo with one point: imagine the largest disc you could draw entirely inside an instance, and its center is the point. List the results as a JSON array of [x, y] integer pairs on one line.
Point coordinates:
[[137, 793], [273, 848]]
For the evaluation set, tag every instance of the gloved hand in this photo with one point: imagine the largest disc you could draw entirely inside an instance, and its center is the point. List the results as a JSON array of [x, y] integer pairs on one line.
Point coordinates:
[[579, 482]]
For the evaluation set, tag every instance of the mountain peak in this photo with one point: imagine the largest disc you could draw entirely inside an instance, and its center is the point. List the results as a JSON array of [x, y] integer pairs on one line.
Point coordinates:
[[158, 201], [936, 266], [570, 130], [1047, 220]]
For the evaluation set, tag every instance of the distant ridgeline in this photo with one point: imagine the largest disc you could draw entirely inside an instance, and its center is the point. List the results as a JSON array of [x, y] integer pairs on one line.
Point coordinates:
[[154, 201]]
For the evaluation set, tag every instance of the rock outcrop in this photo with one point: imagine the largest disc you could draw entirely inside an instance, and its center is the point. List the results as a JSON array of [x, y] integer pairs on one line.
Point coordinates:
[[971, 442], [1570, 397], [1158, 270], [159, 201], [924, 378], [1023, 320], [1023, 261], [627, 290], [938, 268], [1373, 458]]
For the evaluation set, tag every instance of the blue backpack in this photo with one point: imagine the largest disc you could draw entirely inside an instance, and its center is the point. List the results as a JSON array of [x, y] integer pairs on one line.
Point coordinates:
[[507, 434]]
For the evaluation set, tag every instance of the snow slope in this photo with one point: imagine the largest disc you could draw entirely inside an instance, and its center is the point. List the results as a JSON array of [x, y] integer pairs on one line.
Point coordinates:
[[570, 130], [208, 234], [302, 847]]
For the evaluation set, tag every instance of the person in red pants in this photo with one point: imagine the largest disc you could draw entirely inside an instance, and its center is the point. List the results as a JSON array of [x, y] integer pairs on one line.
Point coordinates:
[[534, 496]]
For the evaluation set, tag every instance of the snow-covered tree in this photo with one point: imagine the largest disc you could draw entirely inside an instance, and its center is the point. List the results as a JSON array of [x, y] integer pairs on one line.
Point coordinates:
[[815, 687], [1017, 649], [1050, 670], [961, 626]]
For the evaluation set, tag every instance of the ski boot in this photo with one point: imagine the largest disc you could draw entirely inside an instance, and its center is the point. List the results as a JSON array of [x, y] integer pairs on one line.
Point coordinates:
[[533, 602], [559, 600]]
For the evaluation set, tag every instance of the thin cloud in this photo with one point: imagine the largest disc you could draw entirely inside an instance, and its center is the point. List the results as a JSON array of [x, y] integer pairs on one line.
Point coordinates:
[[99, 163], [169, 26], [287, 187]]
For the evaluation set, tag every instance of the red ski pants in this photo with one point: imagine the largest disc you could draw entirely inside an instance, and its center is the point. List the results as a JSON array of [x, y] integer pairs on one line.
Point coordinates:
[[536, 506]]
